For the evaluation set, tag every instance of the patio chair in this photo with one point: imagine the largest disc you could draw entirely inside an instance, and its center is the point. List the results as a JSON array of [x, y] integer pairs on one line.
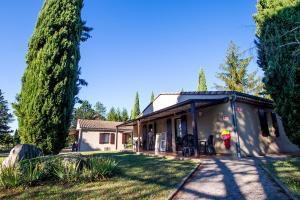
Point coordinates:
[[210, 145]]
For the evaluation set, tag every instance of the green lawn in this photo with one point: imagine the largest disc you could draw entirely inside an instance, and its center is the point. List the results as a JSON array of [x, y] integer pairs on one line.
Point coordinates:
[[288, 172], [140, 177]]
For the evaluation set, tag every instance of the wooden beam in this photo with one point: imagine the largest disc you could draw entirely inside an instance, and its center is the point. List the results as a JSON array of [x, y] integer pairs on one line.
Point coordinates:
[[194, 126], [139, 134]]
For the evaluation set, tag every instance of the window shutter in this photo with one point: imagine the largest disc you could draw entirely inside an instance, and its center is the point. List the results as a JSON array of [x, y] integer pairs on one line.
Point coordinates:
[[112, 138], [275, 124], [263, 123], [101, 138]]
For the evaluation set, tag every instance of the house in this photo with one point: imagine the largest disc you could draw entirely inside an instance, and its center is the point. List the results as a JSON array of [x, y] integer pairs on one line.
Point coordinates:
[[102, 135], [236, 123]]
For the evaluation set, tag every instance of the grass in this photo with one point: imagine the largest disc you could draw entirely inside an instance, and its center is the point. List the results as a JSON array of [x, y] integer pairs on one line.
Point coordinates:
[[141, 177], [288, 171]]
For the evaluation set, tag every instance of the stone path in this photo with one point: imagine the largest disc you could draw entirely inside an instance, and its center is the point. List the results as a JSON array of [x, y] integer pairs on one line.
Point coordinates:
[[229, 178]]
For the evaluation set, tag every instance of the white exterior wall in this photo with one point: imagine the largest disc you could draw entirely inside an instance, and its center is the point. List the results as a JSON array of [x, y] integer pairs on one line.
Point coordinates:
[[167, 100], [90, 142]]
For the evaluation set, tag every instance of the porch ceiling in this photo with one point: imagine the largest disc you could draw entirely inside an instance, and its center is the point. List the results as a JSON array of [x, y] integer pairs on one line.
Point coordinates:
[[176, 110]]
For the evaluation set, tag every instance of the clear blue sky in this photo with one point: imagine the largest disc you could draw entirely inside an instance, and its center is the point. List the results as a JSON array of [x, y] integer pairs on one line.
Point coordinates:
[[136, 45]]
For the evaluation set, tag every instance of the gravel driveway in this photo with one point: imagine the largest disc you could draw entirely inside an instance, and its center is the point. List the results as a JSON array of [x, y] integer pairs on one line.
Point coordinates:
[[229, 178]]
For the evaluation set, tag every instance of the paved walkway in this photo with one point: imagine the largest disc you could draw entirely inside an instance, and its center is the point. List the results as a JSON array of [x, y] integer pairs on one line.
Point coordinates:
[[228, 178]]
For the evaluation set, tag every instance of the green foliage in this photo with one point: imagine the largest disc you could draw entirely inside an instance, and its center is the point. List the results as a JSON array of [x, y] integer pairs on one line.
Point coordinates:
[[5, 118], [10, 177], [111, 116], [136, 107], [118, 115], [16, 137], [66, 172], [33, 172], [278, 33], [51, 79], [152, 98], [202, 81], [100, 168], [125, 116], [85, 111], [100, 110], [234, 73]]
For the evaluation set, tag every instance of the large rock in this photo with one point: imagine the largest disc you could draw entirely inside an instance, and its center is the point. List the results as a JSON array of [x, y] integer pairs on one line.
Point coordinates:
[[21, 152]]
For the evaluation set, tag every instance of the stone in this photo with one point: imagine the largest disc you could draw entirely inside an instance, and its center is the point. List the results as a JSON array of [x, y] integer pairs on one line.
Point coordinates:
[[21, 152]]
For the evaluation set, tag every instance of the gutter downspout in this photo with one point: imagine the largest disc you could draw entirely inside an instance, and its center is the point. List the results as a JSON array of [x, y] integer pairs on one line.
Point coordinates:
[[235, 126]]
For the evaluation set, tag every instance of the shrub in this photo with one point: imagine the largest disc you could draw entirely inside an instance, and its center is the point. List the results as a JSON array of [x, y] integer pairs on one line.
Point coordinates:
[[33, 172], [66, 172], [100, 168], [10, 177]]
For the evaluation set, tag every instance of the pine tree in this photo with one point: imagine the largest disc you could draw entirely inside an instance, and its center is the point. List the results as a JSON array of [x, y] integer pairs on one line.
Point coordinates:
[[136, 107], [118, 115], [152, 98], [124, 115], [5, 117], [85, 111], [278, 31], [234, 73], [111, 116], [202, 81], [51, 80], [100, 110]]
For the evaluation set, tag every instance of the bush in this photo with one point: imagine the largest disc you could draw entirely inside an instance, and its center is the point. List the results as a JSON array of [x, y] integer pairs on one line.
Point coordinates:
[[100, 168], [10, 177], [61, 168]]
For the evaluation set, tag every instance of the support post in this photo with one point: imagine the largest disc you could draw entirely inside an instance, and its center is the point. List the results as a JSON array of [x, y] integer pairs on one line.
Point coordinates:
[[116, 139], [194, 126], [79, 138], [139, 133], [132, 143], [235, 128]]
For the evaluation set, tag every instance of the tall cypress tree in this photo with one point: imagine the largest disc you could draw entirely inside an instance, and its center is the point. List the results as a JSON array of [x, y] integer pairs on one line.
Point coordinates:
[[152, 97], [278, 32], [125, 116], [136, 106], [202, 81], [51, 80]]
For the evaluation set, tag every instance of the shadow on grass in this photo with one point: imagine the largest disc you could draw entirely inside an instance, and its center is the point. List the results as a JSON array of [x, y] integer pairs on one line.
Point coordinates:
[[140, 177]]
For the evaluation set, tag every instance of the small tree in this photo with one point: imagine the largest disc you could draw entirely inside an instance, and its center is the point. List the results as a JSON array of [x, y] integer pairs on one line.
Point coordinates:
[[202, 81], [124, 115], [136, 106], [5, 117], [152, 97], [100, 110], [111, 116], [234, 73]]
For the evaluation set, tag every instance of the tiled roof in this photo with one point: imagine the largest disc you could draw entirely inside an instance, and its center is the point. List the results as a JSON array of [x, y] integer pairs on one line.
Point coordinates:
[[98, 124]]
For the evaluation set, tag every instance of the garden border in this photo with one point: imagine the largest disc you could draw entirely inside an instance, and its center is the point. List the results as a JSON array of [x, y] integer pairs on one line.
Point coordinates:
[[277, 181], [184, 180]]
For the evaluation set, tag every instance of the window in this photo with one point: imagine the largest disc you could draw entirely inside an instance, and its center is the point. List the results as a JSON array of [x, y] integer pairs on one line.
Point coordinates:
[[104, 138], [263, 123]]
